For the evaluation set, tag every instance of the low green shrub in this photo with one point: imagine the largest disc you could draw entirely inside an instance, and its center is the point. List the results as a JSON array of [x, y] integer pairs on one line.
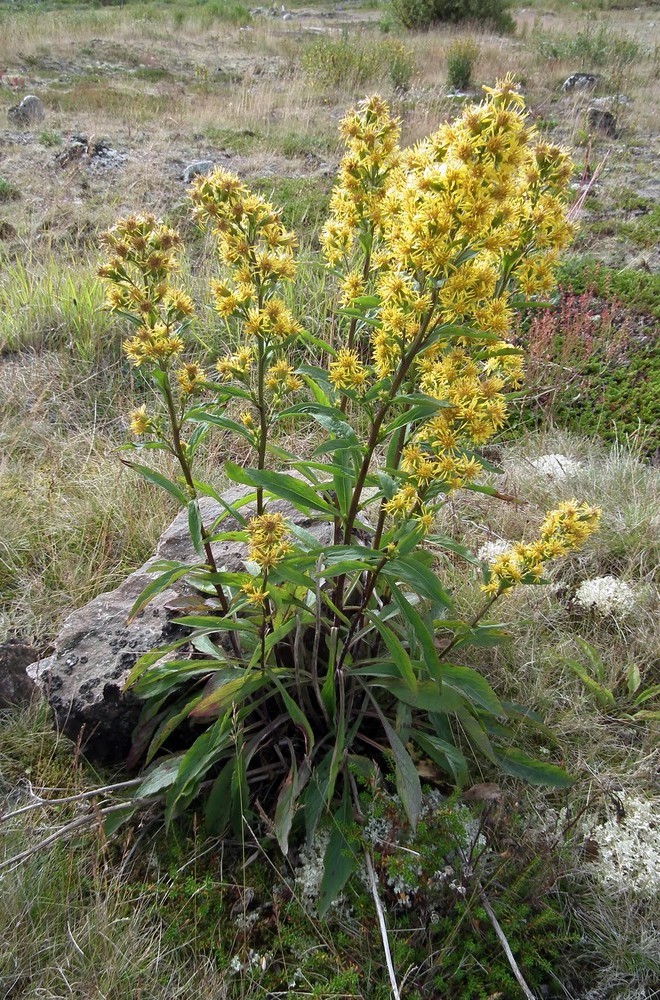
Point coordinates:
[[461, 56], [594, 366], [8, 191], [421, 14], [353, 62], [636, 289], [590, 46]]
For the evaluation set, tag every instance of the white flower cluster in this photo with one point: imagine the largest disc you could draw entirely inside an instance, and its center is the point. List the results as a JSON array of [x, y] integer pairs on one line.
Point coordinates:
[[491, 550], [607, 595], [254, 962], [629, 847], [556, 466]]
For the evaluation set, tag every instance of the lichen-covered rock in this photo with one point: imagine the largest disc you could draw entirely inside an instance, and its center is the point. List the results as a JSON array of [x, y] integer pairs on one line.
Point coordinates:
[[16, 688], [29, 111], [84, 677]]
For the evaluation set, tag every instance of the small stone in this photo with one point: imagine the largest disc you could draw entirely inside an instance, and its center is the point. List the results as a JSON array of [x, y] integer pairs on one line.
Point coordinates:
[[29, 111], [580, 81], [200, 168]]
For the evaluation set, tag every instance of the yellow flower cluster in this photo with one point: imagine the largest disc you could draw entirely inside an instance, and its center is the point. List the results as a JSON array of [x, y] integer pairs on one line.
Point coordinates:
[[254, 593], [190, 377], [471, 388], [256, 249], [236, 365], [140, 422], [267, 544], [142, 257], [372, 139], [563, 529], [460, 222], [348, 372], [281, 378]]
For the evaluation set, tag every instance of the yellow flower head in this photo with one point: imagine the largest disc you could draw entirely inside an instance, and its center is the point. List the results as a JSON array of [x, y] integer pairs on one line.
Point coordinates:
[[139, 421], [347, 371], [190, 376], [266, 540]]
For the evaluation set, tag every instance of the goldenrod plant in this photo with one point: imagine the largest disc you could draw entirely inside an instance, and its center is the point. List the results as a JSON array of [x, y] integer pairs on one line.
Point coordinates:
[[319, 667]]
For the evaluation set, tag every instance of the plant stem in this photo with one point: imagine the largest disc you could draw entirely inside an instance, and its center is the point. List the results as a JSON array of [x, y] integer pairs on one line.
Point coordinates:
[[187, 475]]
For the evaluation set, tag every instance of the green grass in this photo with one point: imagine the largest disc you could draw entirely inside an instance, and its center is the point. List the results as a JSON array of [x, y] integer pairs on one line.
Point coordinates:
[[54, 302], [8, 191], [592, 46]]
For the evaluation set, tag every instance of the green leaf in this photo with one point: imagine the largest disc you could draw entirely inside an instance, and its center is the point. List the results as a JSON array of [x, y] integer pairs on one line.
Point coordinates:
[[157, 586], [318, 795], [329, 417], [407, 779], [647, 694], [399, 655], [413, 414], [116, 819], [320, 395], [195, 528], [445, 755], [281, 485], [536, 772], [218, 421], [340, 857], [205, 751], [159, 777], [444, 542], [419, 631], [429, 697], [173, 718], [633, 679], [603, 695], [419, 577], [229, 693], [218, 803], [159, 480], [296, 715], [286, 808], [148, 659], [473, 685]]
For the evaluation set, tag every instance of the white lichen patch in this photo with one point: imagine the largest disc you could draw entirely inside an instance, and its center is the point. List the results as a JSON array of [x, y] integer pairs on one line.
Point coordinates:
[[607, 595], [628, 847], [556, 467]]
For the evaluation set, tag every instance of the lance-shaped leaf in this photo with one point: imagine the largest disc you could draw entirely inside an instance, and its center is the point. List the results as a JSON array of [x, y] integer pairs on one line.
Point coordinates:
[[159, 480], [536, 772], [341, 855], [281, 485], [424, 582], [396, 650]]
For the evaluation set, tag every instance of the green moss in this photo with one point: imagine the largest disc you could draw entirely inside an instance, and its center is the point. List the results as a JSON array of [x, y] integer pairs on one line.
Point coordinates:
[[637, 289]]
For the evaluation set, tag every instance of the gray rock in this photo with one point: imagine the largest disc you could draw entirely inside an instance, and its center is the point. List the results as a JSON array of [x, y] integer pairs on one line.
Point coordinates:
[[83, 679], [609, 103], [581, 81], [16, 688], [200, 168], [603, 120], [29, 111]]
